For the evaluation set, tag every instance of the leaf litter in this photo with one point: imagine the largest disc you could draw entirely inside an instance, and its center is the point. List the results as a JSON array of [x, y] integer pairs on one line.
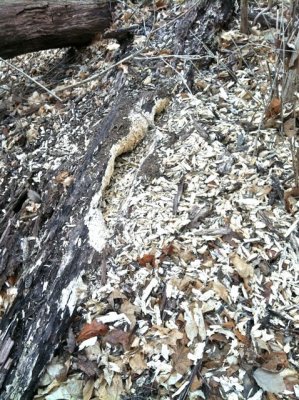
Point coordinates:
[[201, 294]]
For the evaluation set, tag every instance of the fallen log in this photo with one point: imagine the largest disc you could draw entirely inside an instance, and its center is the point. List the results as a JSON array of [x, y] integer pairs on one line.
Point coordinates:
[[27, 26], [72, 242]]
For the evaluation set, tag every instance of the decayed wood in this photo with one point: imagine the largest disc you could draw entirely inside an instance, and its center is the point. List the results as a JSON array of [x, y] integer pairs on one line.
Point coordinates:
[[40, 315], [203, 21], [27, 26], [211, 16]]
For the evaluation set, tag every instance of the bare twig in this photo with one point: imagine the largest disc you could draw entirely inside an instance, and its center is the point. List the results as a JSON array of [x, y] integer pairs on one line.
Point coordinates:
[[32, 79], [178, 195], [268, 8], [104, 267], [195, 371], [179, 75], [95, 76]]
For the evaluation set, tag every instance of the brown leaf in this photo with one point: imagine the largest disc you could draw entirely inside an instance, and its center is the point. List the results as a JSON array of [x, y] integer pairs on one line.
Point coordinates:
[[290, 128], [61, 176], [232, 370], [291, 379], [229, 324], [275, 361], [117, 336], [180, 361], [221, 290], [130, 310], [64, 178], [147, 259], [291, 193], [137, 363], [270, 396], [88, 367], [267, 289], [160, 4], [244, 269], [274, 108], [168, 250], [12, 280], [164, 52], [88, 390], [95, 328], [218, 337], [196, 384], [244, 339]]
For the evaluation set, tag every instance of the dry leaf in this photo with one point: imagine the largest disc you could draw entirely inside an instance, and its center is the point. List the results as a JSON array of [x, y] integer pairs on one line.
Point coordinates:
[[228, 325], [275, 361], [196, 384], [161, 4], [116, 295], [95, 328], [221, 290], [168, 336], [180, 360], [218, 337], [61, 176], [244, 269], [291, 380], [124, 68], [288, 195], [129, 310], [164, 52], [290, 128], [168, 250], [270, 396], [117, 336], [137, 363], [147, 259], [88, 389], [112, 391], [274, 108], [244, 339]]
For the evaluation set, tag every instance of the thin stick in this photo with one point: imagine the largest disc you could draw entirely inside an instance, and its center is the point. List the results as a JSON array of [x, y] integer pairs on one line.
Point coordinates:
[[179, 75], [195, 371], [32, 79], [180, 56], [95, 76]]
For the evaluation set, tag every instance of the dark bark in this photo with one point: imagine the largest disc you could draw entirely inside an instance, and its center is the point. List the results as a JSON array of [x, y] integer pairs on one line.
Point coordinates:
[[27, 26], [197, 33], [41, 313]]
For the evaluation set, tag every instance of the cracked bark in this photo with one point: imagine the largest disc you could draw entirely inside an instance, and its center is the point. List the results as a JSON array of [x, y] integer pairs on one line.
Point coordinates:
[[39, 25]]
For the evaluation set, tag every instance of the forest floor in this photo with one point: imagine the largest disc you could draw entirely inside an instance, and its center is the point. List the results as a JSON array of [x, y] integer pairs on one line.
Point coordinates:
[[198, 297]]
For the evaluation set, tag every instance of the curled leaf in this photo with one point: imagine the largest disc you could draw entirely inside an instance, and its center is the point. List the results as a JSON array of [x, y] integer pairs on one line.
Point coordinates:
[[95, 328]]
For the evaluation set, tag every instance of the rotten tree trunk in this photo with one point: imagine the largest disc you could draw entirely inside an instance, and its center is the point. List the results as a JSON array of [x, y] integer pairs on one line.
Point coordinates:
[[27, 26], [47, 294]]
